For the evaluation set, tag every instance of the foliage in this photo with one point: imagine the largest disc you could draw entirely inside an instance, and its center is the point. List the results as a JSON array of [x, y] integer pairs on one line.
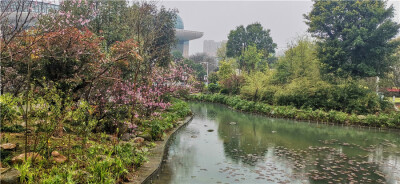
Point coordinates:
[[221, 52], [257, 87], [299, 61], [232, 84], [392, 78], [49, 112], [110, 22], [178, 110], [391, 120], [353, 36], [177, 56], [90, 67], [104, 164], [12, 128], [213, 78], [251, 59], [226, 69], [8, 109], [69, 57], [82, 121], [197, 68], [154, 29], [240, 38], [213, 88], [350, 97]]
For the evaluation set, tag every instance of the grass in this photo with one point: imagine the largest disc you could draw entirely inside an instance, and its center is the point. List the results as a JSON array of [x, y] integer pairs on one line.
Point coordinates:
[[390, 99]]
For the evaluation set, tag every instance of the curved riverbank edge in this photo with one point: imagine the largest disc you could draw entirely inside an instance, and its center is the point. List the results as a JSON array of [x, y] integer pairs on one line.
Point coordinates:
[[380, 121], [151, 168]]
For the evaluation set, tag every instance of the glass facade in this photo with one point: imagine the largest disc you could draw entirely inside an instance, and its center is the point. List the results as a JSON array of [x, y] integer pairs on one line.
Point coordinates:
[[26, 5], [179, 23]]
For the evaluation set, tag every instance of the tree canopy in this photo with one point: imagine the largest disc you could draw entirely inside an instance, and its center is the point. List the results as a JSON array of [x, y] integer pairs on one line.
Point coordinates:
[[353, 36], [240, 38]]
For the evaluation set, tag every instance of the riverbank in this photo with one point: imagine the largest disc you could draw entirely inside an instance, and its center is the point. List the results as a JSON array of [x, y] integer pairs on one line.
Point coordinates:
[[391, 120], [156, 155]]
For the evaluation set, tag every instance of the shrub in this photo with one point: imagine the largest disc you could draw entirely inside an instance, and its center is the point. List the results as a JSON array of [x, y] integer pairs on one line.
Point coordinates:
[[224, 91], [233, 84], [257, 83], [304, 93], [350, 97], [12, 128], [387, 120], [213, 88], [8, 108]]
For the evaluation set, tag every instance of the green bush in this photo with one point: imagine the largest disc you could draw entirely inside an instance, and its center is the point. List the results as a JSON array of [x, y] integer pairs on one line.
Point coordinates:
[[381, 120], [12, 128], [350, 97], [224, 91], [213, 88], [158, 125], [8, 108]]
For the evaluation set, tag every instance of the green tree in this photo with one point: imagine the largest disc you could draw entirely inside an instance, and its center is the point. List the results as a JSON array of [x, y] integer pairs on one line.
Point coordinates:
[[240, 38], [392, 78], [221, 52], [226, 69], [257, 85], [251, 59], [213, 78], [177, 56], [353, 36], [299, 61], [110, 21], [198, 69], [153, 28]]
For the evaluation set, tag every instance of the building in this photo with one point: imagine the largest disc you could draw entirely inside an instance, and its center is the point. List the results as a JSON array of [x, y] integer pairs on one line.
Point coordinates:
[[184, 36], [27, 6], [25, 10], [210, 47]]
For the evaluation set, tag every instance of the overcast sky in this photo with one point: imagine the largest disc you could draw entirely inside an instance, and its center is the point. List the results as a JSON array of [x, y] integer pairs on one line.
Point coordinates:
[[217, 18]]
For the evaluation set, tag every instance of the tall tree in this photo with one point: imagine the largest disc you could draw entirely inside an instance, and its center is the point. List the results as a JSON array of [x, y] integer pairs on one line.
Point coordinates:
[[154, 30], [353, 36], [110, 21], [221, 52], [299, 61], [251, 59], [240, 38]]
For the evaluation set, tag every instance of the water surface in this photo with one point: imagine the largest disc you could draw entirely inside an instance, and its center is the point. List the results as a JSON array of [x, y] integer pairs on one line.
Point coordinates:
[[224, 146]]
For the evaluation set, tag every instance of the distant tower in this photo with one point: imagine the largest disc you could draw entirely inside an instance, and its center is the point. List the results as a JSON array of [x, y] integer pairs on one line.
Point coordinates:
[[183, 37]]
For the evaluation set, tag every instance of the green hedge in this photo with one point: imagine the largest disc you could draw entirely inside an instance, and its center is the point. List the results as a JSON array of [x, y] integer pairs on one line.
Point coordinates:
[[391, 120], [177, 111]]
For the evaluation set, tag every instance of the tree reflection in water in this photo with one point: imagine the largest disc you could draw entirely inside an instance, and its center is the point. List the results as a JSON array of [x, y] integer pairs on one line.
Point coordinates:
[[257, 149]]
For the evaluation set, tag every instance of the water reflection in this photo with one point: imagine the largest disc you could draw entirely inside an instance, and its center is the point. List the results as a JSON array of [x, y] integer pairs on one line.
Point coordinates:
[[245, 148]]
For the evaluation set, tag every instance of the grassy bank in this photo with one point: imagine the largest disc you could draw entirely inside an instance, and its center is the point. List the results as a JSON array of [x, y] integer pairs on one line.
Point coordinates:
[[391, 120], [105, 158]]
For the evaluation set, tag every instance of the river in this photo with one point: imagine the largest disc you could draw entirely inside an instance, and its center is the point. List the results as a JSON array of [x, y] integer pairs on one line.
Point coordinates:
[[224, 146]]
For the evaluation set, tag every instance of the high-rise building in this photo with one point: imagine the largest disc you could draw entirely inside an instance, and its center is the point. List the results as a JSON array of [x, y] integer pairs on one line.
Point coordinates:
[[183, 37], [210, 47]]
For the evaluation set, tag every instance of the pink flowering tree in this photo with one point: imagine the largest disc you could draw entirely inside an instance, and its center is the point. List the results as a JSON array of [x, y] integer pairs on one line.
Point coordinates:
[[148, 97]]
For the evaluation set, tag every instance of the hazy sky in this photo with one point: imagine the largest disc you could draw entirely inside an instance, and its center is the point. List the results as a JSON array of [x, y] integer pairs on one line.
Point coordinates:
[[217, 18]]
